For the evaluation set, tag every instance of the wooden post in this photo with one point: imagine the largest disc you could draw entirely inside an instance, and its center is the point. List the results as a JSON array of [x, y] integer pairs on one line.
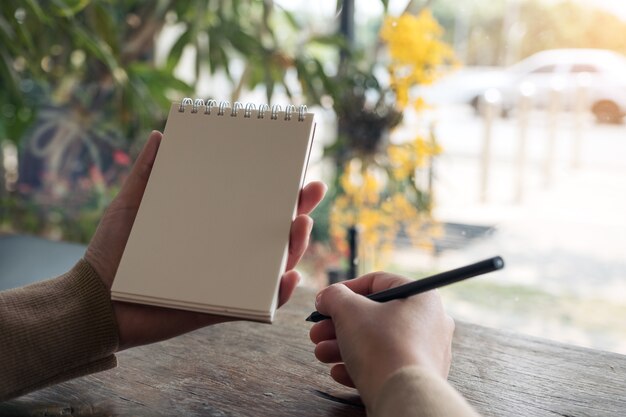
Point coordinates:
[[335, 275], [580, 111], [353, 262], [489, 106], [524, 107], [346, 29], [554, 109], [431, 182]]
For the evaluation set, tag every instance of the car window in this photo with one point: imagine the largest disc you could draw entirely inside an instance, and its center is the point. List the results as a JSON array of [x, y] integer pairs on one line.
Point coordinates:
[[578, 68], [544, 69]]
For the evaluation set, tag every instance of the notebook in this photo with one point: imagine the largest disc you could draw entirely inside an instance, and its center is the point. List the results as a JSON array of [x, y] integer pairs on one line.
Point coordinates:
[[212, 231]]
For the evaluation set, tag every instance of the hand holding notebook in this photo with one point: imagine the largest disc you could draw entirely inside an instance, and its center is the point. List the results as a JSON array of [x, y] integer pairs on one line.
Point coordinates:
[[141, 324], [212, 231]]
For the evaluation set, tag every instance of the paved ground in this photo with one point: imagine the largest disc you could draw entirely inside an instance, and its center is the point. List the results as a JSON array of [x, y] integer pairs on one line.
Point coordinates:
[[564, 244]]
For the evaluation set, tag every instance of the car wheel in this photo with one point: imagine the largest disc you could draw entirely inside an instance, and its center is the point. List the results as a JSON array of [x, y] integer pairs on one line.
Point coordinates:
[[607, 112], [475, 103]]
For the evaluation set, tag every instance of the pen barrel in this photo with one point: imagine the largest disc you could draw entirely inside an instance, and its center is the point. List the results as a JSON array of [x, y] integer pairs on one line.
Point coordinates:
[[439, 280], [430, 283]]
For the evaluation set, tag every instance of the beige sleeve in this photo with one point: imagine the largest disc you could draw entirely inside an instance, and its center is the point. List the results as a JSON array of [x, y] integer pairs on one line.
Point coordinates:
[[55, 330], [414, 391]]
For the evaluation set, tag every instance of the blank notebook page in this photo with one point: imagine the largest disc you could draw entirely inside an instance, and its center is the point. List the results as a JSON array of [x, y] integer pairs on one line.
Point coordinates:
[[212, 231]]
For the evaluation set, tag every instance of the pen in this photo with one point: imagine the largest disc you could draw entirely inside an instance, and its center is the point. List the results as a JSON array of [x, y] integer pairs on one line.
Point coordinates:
[[430, 283]]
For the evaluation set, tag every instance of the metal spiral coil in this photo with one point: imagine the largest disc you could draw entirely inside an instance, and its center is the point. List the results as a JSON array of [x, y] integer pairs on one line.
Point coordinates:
[[247, 109]]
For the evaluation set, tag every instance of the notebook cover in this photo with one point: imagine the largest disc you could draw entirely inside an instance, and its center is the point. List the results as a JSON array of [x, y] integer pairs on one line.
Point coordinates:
[[212, 231]]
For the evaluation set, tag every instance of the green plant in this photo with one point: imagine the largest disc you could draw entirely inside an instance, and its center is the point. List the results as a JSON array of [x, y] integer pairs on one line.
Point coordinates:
[[377, 188], [81, 86]]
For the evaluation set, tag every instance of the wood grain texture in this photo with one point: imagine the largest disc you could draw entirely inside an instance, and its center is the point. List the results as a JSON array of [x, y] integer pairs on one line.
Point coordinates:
[[250, 369], [506, 374]]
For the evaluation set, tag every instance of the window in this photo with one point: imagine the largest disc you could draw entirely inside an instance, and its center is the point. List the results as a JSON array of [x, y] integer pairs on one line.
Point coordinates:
[[580, 68], [544, 70]]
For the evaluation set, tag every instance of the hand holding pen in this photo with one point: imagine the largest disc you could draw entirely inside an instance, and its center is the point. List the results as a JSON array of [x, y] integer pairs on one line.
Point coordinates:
[[430, 283], [367, 341]]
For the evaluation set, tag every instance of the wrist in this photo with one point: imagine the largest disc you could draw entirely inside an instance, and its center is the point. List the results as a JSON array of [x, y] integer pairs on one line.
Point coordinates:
[[371, 382], [140, 324]]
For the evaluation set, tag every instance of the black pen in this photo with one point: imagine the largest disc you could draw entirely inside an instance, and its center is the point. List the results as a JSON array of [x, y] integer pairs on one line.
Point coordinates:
[[430, 283]]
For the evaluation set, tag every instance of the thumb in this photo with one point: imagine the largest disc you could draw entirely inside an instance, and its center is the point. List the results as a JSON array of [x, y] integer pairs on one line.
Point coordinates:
[[337, 300], [107, 245], [131, 193]]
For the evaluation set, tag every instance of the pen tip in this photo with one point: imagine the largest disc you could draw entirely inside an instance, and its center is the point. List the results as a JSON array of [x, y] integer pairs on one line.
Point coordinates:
[[309, 318]]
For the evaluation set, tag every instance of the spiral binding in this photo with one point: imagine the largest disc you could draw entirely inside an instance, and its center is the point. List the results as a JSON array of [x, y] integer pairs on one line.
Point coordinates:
[[248, 109]]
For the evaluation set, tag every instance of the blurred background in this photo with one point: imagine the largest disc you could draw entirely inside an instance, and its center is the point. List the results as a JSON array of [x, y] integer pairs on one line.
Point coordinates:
[[448, 131]]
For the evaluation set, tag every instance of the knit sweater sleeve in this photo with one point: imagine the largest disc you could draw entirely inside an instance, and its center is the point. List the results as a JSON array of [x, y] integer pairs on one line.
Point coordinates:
[[416, 392], [55, 330]]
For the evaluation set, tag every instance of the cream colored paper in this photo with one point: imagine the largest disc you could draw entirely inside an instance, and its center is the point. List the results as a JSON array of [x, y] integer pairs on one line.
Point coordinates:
[[212, 231]]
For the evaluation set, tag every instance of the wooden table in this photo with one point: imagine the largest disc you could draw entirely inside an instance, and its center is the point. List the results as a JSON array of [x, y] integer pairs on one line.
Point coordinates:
[[248, 369]]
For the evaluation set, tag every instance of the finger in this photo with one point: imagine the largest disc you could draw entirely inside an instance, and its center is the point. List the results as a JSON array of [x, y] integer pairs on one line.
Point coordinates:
[[328, 351], [131, 193], [375, 282], [337, 300], [288, 284], [142, 324], [310, 196], [340, 374], [107, 245], [298, 239], [323, 330]]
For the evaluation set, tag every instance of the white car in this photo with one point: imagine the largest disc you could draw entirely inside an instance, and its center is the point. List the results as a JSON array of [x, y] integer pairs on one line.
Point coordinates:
[[601, 73]]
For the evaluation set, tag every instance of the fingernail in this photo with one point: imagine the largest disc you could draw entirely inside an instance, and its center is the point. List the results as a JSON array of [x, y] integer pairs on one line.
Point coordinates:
[[155, 148], [318, 299]]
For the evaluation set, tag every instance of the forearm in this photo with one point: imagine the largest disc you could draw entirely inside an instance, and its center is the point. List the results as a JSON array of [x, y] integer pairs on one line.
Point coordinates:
[[54, 331], [415, 392]]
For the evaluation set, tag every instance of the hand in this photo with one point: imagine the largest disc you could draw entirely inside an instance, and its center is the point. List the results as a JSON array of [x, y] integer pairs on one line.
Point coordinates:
[[368, 341], [139, 324]]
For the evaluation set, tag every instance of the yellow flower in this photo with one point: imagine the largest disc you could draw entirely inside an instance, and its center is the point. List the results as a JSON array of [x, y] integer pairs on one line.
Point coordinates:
[[420, 104], [382, 198], [371, 188], [405, 158], [416, 51], [349, 179], [400, 160]]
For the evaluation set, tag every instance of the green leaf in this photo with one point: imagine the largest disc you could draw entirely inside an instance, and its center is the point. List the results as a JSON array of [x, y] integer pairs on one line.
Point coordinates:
[[328, 84], [307, 86], [225, 60], [102, 22], [173, 58], [158, 82], [69, 8], [7, 33], [100, 50], [290, 17], [10, 77], [36, 10], [330, 40]]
